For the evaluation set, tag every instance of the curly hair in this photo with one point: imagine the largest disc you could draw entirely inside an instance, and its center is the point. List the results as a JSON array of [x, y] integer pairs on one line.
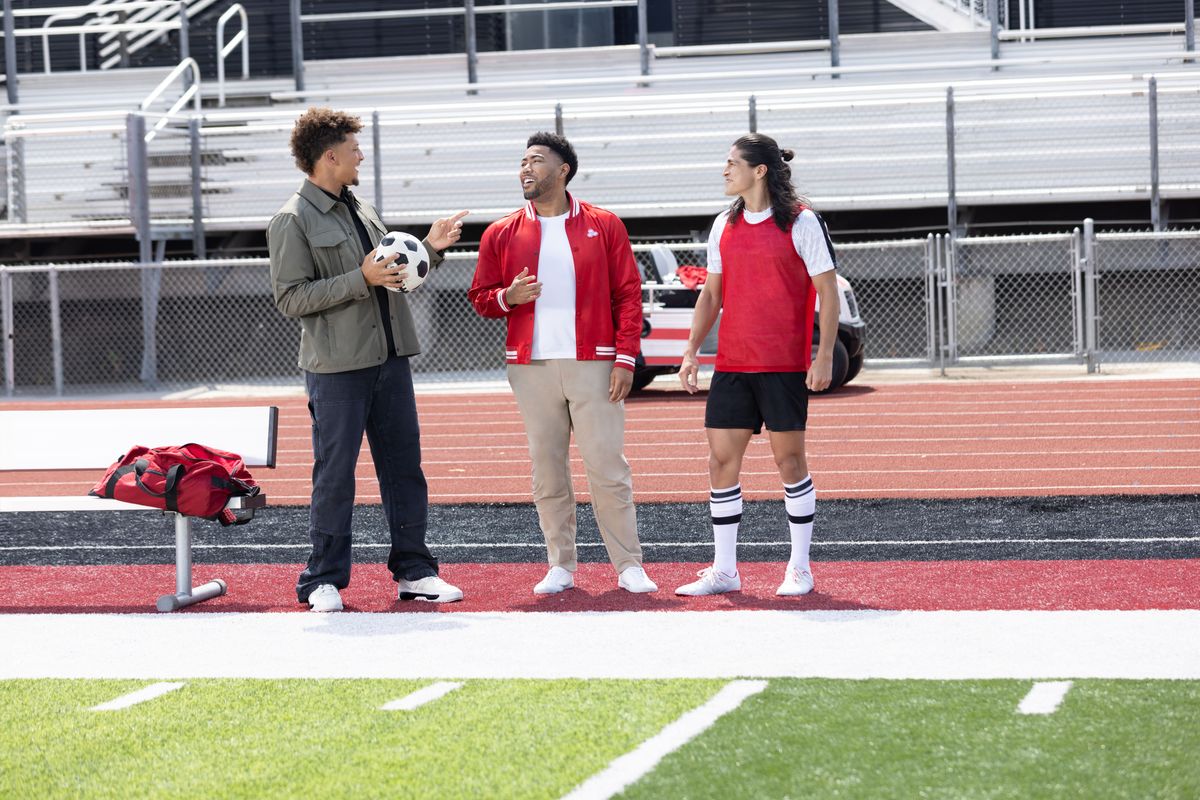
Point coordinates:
[[559, 145], [317, 130], [757, 148]]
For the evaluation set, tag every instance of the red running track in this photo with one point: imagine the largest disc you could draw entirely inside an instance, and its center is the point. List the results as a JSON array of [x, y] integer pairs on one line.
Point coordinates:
[[929, 440], [897, 585]]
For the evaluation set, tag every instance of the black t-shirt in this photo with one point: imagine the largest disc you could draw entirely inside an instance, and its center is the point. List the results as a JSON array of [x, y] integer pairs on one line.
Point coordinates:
[[381, 294]]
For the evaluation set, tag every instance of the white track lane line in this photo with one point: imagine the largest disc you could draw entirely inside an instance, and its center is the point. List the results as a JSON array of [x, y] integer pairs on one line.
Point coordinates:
[[939, 645], [1044, 697], [421, 697], [37, 548], [140, 696], [630, 767]]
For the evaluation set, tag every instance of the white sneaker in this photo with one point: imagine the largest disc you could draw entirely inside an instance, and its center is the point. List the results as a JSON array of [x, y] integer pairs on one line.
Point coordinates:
[[795, 582], [635, 579], [556, 580], [711, 582], [325, 598], [432, 590]]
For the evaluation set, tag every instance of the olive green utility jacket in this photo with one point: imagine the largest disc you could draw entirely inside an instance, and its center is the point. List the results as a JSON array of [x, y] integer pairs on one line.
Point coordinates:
[[316, 277]]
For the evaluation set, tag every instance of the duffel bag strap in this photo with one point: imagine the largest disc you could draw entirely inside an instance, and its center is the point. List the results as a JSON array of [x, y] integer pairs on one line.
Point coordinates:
[[170, 492], [111, 486]]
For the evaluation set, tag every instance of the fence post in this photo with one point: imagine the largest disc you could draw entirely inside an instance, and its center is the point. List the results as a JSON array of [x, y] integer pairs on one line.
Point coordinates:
[[951, 183], [993, 7], [835, 48], [56, 341], [139, 182], [199, 246], [1155, 200], [469, 36], [1077, 292], [1090, 319], [1189, 25], [139, 214], [297, 45], [753, 114], [184, 44], [558, 119], [7, 329], [643, 37], [931, 317], [10, 53], [377, 158], [950, 300]]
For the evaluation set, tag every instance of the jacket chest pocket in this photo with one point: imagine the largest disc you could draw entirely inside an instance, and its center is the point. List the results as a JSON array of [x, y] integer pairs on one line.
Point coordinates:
[[368, 215], [332, 252]]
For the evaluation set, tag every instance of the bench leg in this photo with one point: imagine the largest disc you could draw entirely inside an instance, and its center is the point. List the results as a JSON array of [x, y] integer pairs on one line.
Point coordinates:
[[185, 593]]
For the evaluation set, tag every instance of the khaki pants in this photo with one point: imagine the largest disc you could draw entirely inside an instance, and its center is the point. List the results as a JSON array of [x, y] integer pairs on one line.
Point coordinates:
[[557, 396]]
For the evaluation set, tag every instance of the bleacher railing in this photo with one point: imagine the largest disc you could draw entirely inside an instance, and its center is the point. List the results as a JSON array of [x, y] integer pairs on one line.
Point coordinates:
[[989, 142], [224, 49], [1080, 297], [468, 12], [102, 24]]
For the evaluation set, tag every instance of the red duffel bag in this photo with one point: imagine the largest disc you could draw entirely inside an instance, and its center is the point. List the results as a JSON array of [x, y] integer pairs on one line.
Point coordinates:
[[192, 479]]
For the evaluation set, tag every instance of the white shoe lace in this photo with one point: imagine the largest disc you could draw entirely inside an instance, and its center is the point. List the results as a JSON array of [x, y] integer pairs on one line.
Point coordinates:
[[796, 576], [711, 578]]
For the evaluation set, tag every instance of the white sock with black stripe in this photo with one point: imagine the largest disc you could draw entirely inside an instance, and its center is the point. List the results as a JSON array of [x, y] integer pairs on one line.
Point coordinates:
[[800, 500], [725, 505]]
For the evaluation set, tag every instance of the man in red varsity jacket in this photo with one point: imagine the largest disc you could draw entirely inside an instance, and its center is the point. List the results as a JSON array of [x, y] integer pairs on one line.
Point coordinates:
[[562, 274]]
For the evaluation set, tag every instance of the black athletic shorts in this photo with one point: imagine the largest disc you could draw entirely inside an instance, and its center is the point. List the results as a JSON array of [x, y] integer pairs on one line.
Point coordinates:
[[745, 400]]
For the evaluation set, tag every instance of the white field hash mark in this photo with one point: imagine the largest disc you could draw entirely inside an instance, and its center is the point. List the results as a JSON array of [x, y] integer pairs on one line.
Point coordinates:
[[420, 697], [1044, 698], [630, 767], [140, 696]]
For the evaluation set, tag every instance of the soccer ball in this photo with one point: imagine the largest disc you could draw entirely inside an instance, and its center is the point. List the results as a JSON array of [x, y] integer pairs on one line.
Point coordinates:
[[413, 261]]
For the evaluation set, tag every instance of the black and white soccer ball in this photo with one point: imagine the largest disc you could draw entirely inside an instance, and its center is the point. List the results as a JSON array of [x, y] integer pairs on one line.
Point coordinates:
[[413, 261]]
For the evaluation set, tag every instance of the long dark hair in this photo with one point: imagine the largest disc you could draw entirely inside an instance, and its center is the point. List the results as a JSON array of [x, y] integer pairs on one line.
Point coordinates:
[[758, 148]]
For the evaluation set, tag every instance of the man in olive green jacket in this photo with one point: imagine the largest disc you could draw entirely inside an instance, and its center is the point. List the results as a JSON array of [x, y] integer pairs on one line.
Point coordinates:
[[356, 338]]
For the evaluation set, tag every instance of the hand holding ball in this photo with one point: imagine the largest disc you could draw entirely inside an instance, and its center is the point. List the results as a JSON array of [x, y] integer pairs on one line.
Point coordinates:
[[413, 261]]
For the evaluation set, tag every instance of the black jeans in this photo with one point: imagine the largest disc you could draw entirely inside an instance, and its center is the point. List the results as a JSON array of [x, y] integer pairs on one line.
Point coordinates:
[[380, 401]]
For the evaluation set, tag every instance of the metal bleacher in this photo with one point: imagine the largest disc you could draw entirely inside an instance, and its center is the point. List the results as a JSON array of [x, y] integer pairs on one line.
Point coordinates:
[[1055, 118]]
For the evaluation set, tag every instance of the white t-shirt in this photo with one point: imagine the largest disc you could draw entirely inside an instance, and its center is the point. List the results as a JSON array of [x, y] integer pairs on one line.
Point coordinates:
[[809, 237], [554, 311]]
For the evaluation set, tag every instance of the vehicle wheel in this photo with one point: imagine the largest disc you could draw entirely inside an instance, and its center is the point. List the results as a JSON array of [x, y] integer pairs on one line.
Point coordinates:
[[854, 368], [841, 363]]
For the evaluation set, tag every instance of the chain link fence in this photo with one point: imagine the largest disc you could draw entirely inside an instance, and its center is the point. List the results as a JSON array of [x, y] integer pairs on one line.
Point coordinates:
[[892, 288], [66, 173], [1016, 296], [1147, 294], [90, 328]]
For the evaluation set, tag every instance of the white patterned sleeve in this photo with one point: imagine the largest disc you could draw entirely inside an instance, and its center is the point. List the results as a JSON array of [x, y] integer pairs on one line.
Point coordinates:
[[714, 242], [812, 242]]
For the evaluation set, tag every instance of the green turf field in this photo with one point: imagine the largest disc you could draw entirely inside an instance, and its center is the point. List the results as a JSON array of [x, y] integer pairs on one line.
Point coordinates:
[[538, 739]]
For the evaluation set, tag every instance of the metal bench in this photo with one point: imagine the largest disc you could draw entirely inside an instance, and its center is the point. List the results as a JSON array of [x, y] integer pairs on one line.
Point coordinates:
[[74, 439]]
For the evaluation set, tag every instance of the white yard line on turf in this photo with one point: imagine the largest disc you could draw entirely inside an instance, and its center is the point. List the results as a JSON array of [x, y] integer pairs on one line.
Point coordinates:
[[140, 696], [420, 697], [944, 645], [633, 765], [83, 547], [1044, 698]]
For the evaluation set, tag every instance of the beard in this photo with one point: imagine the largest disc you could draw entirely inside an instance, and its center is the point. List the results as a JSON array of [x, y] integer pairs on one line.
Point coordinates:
[[538, 188]]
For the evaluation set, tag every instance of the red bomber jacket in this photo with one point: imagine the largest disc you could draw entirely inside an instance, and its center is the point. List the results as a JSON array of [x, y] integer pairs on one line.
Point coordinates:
[[608, 295]]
